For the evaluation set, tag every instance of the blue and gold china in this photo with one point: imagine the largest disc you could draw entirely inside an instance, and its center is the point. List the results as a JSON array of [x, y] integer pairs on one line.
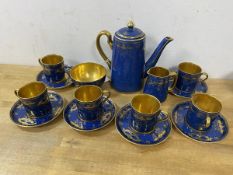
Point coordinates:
[[145, 110], [25, 118], [157, 135], [201, 87], [89, 99], [189, 75], [53, 67], [158, 82], [216, 131], [128, 58], [203, 110], [56, 85], [34, 97], [73, 116], [88, 74]]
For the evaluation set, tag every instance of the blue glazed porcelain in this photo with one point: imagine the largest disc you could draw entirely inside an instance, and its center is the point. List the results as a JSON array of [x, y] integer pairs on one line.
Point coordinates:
[[203, 110], [145, 111], [189, 74], [158, 134], [34, 97], [53, 67], [128, 58], [158, 82], [89, 99], [25, 118], [74, 117], [55, 85], [216, 132]]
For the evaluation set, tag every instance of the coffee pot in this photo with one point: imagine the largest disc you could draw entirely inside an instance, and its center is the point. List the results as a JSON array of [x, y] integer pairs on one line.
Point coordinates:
[[128, 67]]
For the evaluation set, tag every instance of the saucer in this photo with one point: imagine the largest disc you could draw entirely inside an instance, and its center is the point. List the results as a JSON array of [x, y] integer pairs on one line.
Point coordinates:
[[201, 87], [56, 85], [72, 117], [22, 118], [217, 131], [158, 135]]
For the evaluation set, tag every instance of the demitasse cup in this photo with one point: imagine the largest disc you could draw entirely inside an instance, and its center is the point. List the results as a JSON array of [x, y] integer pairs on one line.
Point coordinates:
[[53, 67], [34, 97], [145, 112], [189, 74], [88, 74], [158, 82], [203, 110], [89, 100]]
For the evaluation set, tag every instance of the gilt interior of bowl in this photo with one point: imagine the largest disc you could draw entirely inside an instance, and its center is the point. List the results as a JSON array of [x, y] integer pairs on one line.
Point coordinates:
[[88, 72]]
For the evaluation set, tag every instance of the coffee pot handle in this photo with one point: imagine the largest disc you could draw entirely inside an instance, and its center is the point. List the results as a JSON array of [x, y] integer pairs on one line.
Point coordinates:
[[99, 48], [173, 78]]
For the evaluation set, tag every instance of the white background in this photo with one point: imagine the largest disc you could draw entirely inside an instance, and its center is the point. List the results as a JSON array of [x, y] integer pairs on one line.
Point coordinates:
[[202, 29]]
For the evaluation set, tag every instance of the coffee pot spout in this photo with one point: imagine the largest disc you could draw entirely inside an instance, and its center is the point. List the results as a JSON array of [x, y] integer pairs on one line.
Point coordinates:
[[156, 54]]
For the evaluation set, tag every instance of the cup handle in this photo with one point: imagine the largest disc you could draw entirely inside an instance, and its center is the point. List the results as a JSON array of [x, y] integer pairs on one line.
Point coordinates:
[[165, 118], [16, 92], [68, 73], [173, 78], [107, 93], [40, 61], [67, 68], [208, 122], [206, 76]]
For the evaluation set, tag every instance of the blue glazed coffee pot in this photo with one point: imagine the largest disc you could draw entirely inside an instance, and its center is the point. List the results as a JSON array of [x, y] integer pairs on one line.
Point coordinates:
[[128, 67]]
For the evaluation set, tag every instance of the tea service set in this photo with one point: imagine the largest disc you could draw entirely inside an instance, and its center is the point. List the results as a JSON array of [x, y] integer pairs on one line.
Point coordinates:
[[142, 121]]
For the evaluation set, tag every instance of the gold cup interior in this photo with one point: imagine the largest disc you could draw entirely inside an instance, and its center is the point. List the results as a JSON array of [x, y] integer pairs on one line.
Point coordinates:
[[190, 68], [145, 104], [31, 90], [88, 93], [158, 72], [87, 72], [52, 59], [206, 103]]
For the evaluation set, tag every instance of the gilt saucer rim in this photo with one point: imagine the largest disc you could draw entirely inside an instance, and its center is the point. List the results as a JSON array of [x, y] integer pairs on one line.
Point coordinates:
[[145, 144], [91, 130], [42, 124], [189, 137]]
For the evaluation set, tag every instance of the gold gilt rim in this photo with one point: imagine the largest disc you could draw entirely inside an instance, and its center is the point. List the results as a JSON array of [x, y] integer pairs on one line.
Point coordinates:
[[38, 82], [91, 101], [93, 63], [53, 55], [52, 88], [35, 126], [144, 145], [129, 39], [199, 141], [171, 92], [81, 130], [188, 72]]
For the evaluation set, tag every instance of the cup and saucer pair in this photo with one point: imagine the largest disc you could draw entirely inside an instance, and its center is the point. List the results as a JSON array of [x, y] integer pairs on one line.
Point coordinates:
[[190, 80], [200, 119], [142, 122], [36, 106], [90, 110], [54, 74]]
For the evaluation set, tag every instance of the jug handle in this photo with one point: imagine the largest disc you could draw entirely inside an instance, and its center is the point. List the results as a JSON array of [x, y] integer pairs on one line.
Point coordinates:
[[99, 48]]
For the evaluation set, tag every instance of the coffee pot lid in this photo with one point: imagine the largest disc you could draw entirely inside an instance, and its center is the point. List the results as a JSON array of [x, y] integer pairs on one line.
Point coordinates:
[[130, 32]]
